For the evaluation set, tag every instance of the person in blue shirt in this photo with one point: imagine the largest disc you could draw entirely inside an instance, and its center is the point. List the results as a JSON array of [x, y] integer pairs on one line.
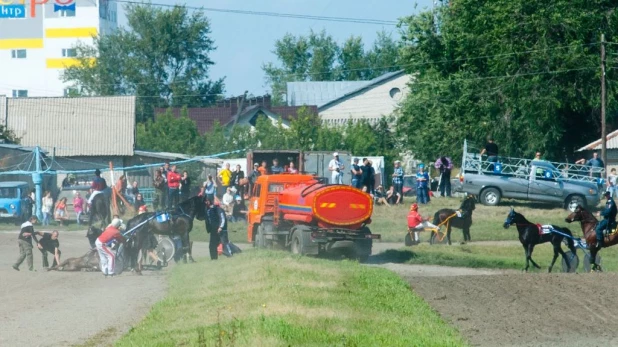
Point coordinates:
[[422, 185], [357, 175], [398, 179], [609, 218]]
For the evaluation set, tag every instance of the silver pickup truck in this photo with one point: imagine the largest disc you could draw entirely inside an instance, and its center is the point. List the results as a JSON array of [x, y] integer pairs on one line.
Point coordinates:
[[539, 181]]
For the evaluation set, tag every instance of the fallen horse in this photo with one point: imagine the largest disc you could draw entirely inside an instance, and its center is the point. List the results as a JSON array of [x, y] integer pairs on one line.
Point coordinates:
[[87, 262]]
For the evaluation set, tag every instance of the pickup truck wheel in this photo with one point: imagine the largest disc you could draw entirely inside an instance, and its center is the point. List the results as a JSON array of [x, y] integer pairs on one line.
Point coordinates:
[[490, 196], [572, 201]]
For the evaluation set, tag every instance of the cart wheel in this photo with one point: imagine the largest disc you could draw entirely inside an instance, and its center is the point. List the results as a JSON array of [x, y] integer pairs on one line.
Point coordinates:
[[408, 240], [588, 266], [119, 261], [165, 250], [438, 237], [573, 259]]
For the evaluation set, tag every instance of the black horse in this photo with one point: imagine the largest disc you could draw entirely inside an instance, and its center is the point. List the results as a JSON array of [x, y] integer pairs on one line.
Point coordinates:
[[180, 224], [530, 235], [100, 209], [450, 218]]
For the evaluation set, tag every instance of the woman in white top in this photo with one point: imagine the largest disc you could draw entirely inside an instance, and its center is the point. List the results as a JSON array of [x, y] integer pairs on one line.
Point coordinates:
[[46, 207]]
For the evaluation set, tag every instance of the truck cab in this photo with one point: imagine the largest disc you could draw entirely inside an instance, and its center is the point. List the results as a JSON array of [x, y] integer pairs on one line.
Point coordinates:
[[12, 195]]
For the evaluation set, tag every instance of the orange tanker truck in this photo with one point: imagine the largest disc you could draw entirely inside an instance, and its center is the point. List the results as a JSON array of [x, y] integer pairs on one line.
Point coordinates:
[[303, 213]]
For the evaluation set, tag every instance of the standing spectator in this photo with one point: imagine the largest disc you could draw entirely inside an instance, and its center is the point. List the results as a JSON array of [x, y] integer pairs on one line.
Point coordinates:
[[185, 186], [34, 202], [24, 240], [26, 208], [106, 255], [292, 169], [357, 175], [237, 177], [276, 169], [398, 180], [263, 169], [173, 183], [209, 189], [336, 168], [372, 174], [60, 211], [611, 182], [368, 176], [594, 162], [225, 177], [132, 192], [49, 244], [444, 166], [159, 191], [422, 185], [491, 150], [78, 207], [216, 226], [46, 207], [121, 185], [228, 201], [139, 202]]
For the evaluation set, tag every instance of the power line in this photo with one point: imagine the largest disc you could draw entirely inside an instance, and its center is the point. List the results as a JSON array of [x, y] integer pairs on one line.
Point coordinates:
[[273, 14]]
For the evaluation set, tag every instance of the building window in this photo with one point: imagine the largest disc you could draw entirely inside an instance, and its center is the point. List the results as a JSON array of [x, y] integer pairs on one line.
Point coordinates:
[[69, 52], [20, 93], [18, 54], [67, 13], [68, 92]]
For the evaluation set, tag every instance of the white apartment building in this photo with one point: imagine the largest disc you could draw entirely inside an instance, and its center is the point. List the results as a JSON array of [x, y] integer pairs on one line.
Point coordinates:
[[36, 42]]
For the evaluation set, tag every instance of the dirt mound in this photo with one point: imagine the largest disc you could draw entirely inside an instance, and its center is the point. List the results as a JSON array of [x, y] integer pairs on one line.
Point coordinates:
[[526, 309]]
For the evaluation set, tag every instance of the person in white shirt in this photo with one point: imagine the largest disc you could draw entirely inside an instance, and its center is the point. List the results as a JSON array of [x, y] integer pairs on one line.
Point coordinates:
[[228, 202], [336, 168]]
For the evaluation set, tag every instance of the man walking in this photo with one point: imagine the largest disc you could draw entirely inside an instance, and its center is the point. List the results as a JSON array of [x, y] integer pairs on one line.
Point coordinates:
[[216, 226], [444, 166], [49, 244], [398, 180], [173, 184], [24, 240], [336, 168]]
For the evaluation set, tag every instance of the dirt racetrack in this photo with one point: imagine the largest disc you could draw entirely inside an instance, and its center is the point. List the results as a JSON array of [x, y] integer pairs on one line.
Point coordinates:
[[515, 309], [64, 308]]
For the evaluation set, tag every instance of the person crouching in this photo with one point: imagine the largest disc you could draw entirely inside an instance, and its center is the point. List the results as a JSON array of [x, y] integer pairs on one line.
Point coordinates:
[[416, 223], [106, 254]]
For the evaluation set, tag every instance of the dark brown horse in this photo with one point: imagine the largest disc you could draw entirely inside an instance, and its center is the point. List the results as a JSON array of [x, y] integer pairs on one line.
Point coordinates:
[[530, 236], [88, 262], [100, 209], [588, 224], [179, 223], [462, 221]]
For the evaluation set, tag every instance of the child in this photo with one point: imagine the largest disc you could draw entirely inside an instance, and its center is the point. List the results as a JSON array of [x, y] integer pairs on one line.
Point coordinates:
[[78, 206], [611, 182], [416, 222]]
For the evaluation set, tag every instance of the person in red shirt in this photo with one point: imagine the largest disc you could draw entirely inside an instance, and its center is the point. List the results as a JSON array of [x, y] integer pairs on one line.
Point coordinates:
[[416, 223], [173, 185], [106, 255]]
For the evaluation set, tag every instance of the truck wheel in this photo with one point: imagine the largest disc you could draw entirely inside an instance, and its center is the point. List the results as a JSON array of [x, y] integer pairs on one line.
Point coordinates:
[[259, 240], [362, 248], [297, 243], [490, 197], [572, 201]]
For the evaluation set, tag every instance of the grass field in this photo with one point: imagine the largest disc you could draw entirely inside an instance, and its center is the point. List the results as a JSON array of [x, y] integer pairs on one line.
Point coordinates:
[[264, 298], [498, 257]]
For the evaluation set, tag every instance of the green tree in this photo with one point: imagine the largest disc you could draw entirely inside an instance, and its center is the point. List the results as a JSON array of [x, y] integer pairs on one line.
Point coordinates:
[[305, 129], [168, 133], [384, 56], [523, 71], [353, 63], [162, 57]]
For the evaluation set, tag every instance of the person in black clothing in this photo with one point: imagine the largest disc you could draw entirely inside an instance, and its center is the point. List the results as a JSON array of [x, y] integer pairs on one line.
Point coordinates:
[[239, 211], [185, 186], [491, 150], [357, 175], [24, 240], [139, 201], [216, 226], [236, 177], [49, 244], [368, 174]]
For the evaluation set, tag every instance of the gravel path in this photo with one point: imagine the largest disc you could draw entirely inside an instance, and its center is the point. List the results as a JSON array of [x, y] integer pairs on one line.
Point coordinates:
[[64, 308]]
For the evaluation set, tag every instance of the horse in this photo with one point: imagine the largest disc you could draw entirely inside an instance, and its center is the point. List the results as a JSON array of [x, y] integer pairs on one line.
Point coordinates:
[[100, 209], [462, 221], [180, 223], [88, 262], [588, 224], [530, 235], [92, 234]]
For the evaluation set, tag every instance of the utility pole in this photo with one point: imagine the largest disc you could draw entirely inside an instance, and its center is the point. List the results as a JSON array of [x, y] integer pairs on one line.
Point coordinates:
[[240, 109], [37, 179], [603, 126]]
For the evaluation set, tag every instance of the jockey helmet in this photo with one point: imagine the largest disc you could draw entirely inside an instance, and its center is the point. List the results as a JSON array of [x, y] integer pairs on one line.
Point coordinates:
[[143, 209], [414, 207], [116, 223]]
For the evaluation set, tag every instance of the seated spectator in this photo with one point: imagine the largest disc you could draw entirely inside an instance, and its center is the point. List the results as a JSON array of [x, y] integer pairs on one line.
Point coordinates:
[[132, 192], [379, 196], [227, 202], [393, 197], [262, 169], [60, 211], [139, 201], [239, 211], [276, 169], [292, 169]]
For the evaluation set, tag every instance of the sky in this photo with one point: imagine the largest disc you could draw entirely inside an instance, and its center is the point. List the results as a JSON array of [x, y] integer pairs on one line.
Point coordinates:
[[245, 42]]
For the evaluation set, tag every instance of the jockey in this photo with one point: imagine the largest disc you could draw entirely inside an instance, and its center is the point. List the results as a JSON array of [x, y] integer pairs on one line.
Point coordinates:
[[416, 222], [142, 209], [106, 255], [98, 185], [609, 218]]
